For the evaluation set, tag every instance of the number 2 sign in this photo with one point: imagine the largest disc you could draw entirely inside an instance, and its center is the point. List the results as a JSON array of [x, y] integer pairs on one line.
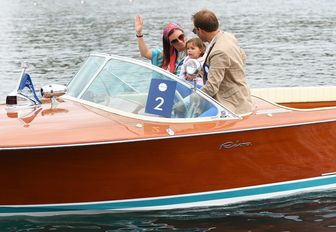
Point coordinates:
[[161, 97]]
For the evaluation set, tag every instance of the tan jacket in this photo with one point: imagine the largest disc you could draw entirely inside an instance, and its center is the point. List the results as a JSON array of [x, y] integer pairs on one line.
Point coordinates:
[[226, 77]]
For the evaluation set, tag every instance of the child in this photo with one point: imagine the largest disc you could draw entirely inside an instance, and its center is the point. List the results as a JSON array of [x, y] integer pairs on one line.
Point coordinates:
[[195, 50]]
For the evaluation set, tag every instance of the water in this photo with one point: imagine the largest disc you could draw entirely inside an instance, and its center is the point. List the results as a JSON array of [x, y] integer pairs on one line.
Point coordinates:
[[289, 43]]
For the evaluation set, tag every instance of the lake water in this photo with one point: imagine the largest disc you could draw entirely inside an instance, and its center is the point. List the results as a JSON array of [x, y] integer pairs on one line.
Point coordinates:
[[288, 43]]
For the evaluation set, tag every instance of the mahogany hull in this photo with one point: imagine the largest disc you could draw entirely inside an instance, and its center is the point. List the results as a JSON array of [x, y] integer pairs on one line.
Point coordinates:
[[166, 167]]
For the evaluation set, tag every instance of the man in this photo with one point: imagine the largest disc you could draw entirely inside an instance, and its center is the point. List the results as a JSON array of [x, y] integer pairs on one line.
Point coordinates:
[[224, 71]]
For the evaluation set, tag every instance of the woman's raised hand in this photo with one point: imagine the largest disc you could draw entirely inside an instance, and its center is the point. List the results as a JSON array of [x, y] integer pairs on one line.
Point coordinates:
[[138, 24]]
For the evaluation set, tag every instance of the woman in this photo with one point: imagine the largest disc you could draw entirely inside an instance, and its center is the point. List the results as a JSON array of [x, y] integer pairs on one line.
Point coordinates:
[[174, 47]]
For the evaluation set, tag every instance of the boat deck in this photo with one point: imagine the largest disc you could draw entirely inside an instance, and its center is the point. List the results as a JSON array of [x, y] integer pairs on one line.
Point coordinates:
[[45, 126]]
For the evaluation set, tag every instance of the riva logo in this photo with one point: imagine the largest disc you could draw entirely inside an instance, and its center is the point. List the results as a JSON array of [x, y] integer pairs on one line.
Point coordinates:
[[235, 144]]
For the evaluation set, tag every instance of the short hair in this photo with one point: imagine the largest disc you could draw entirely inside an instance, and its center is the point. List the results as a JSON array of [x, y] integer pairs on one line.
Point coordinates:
[[198, 43], [206, 20]]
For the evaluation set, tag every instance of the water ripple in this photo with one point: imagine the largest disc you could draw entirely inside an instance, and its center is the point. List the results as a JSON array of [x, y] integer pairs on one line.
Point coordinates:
[[289, 43]]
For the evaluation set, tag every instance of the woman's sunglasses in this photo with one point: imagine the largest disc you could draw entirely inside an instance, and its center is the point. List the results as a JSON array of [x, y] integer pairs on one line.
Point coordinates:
[[180, 38]]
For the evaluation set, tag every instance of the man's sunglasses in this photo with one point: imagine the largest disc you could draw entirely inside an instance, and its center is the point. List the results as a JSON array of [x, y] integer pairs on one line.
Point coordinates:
[[180, 38], [195, 30]]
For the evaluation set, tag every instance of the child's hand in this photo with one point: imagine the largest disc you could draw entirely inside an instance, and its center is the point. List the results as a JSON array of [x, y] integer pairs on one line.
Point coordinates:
[[189, 77]]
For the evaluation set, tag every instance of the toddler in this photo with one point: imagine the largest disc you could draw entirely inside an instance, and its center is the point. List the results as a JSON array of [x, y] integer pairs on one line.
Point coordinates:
[[195, 50]]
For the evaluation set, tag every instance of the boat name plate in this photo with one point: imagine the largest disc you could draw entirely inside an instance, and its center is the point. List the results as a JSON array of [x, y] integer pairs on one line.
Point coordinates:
[[231, 144]]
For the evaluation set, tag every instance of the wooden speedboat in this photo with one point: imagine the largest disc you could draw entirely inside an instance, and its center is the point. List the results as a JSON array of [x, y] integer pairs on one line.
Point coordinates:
[[130, 136]]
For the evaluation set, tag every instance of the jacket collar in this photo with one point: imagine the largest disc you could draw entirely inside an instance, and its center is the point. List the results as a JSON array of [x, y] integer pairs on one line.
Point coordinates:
[[214, 39]]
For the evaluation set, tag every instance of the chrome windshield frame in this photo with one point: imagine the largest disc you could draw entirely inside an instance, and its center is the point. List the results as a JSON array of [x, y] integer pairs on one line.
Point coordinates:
[[223, 112]]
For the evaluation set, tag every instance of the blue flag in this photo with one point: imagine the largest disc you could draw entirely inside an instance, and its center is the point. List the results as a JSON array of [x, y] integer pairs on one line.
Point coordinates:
[[27, 82]]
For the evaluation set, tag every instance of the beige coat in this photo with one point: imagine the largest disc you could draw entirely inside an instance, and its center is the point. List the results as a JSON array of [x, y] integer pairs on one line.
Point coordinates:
[[226, 77]]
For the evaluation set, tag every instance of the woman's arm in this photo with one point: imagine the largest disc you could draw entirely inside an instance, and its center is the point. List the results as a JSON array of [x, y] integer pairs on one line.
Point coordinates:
[[144, 50]]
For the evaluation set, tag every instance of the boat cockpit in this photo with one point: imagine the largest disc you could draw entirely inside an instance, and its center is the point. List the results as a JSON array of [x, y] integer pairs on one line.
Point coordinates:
[[138, 89]]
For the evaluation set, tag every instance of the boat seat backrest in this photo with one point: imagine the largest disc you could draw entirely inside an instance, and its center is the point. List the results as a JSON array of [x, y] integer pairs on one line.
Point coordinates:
[[212, 111]]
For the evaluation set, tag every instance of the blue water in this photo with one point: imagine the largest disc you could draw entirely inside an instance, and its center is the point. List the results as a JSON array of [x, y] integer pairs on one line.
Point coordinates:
[[288, 43]]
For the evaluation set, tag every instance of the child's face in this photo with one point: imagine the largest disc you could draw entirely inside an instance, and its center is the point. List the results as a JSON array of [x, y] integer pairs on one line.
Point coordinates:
[[194, 52]]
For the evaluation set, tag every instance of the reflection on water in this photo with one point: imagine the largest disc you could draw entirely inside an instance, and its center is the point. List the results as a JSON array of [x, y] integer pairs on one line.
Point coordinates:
[[289, 43], [308, 212]]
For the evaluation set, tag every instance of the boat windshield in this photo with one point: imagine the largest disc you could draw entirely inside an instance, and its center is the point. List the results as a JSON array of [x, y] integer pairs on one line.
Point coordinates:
[[139, 88]]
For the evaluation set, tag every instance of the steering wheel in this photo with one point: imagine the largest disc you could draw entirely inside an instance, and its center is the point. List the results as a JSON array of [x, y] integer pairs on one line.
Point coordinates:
[[179, 107]]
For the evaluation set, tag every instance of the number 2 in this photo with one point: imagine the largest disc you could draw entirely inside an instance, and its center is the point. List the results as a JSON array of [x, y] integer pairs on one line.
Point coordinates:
[[161, 101]]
